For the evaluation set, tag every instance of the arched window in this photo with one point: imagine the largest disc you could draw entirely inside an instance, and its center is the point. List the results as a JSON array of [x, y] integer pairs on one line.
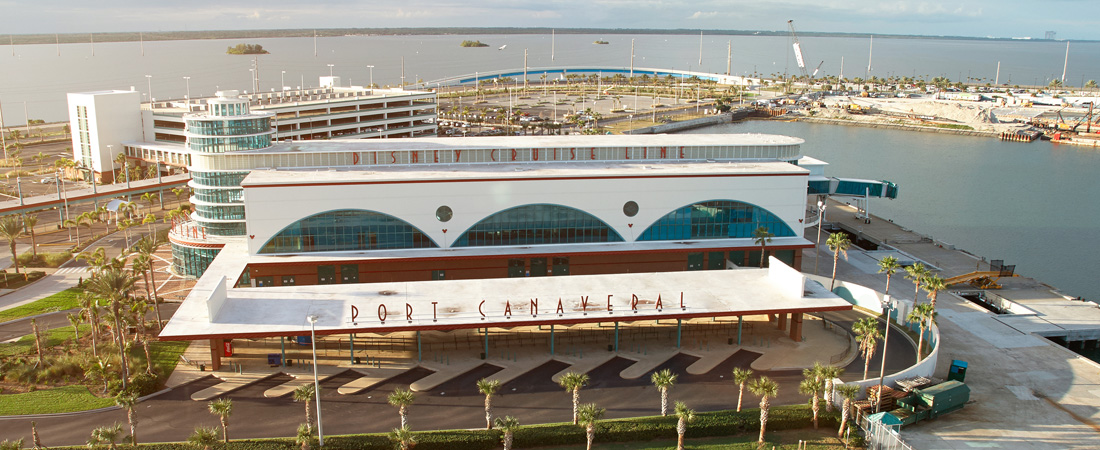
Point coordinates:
[[715, 219], [346, 230], [536, 225]]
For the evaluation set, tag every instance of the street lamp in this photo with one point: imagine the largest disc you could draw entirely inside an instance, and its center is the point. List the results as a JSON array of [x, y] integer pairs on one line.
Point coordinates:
[[821, 204], [149, 78], [316, 384], [188, 80], [372, 78], [330, 69], [887, 306], [282, 81]]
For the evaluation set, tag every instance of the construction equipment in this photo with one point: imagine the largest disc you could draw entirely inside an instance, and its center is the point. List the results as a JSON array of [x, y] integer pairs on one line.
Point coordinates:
[[799, 59], [924, 404], [853, 108]]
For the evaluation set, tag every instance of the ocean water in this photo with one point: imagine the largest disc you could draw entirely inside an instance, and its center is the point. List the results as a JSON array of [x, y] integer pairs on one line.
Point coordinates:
[[1033, 205], [41, 75]]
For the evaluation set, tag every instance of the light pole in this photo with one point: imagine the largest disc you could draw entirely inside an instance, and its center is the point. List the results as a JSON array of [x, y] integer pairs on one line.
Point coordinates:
[[282, 81], [820, 218], [316, 384], [887, 306], [372, 78], [188, 80], [330, 69], [149, 78]]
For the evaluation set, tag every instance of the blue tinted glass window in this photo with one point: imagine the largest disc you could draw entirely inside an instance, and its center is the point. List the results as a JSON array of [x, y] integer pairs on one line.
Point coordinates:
[[535, 225], [347, 230], [717, 219]]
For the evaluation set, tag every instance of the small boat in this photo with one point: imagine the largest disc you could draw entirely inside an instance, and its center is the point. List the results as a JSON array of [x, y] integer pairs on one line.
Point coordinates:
[[502, 47]]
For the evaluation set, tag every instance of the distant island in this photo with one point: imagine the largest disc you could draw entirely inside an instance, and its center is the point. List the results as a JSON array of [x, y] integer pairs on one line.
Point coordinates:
[[601, 42], [246, 49], [474, 44]]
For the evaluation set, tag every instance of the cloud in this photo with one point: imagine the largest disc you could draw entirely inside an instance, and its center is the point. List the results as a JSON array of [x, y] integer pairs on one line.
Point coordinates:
[[703, 15]]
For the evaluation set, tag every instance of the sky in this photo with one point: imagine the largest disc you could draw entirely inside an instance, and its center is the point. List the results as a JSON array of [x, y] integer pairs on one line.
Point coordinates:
[[1071, 19]]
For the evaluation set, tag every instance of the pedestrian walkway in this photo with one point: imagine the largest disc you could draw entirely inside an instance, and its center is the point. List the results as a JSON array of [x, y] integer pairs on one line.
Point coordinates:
[[72, 270]]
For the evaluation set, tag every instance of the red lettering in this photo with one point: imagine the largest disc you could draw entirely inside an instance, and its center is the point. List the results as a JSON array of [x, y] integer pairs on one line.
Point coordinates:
[[572, 154], [584, 302], [626, 153], [382, 313], [408, 312], [633, 302], [508, 308], [608, 302], [374, 157], [536, 154], [534, 307], [592, 153], [560, 308], [355, 158], [479, 308], [435, 155], [513, 154], [354, 313], [664, 152], [493, 154], [414, 157], [659, 304], [433, 310], [681, 153], [681, 299], [555, 154], [393, 157], [645, 153], [458, 155]]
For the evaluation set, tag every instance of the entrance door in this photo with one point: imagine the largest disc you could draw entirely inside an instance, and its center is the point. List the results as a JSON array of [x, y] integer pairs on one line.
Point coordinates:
[[349, 273], [516, 268], [716, 260], [326, 274], [561, 266], [695, 261], [538, 267]]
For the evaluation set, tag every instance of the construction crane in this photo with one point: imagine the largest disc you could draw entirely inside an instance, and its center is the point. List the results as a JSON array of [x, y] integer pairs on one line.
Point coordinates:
[[798, 56]]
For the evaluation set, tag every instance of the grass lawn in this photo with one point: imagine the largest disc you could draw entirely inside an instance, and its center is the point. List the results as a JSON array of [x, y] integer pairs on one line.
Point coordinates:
[[13, 281], [56, 400], [822, 439], [166, 354], [50, 338], [58, 302]]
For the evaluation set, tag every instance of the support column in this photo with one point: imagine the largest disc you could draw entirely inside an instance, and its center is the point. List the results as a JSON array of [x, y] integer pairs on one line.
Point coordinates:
[[782, 321], [419, 350], [740, 320], [282, 351], [486, 344], [551, 339], [616, 337], [217, 349], [351, 346], [796, 327], [679, 326]]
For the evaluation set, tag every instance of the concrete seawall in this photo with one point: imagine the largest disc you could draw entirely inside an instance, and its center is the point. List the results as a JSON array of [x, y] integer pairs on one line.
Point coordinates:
[[693, 123], [895, 126]]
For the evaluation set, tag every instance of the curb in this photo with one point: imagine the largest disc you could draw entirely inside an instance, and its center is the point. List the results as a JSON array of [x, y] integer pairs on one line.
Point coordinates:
[[77, 413]]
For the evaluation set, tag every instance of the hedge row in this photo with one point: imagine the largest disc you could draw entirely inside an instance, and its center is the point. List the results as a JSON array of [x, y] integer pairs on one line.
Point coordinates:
[[706, 424]]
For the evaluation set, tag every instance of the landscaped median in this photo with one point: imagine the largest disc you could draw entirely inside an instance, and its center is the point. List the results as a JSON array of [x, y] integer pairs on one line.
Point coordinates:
[[745, 424], [60, 301]]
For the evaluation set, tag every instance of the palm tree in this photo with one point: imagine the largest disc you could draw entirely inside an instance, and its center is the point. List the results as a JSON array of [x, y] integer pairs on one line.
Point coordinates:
[[304, 394], [74, 320], [12, 228], [146, 248], [925, 315], [114, 284], [105, 435], [766, 389], [127, 401], [150, 198], [761, 236], [888, 265], [812, 386], [933, 284], [403, 438], [223, 408], [848, 392], [203, 437], [179, 194], [489, 388], [573, 382], [916, 273], [89, 306], [402, 398], [304, 436], [867, 333], [838, 243], [588, 415], [684, 416], [664, 380], [70, 224], [30, 222], [830, 374], [741, 376], [507, 425]]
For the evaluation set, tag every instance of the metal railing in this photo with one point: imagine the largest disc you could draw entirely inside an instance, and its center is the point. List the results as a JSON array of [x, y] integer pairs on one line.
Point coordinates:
[[879, 436]]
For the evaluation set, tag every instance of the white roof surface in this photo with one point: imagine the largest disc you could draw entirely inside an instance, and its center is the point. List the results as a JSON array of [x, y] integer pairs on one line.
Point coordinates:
[[211, 310]]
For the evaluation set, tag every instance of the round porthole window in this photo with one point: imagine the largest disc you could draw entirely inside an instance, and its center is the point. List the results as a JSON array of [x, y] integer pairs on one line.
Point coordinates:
[[444, 213], [630, 208]]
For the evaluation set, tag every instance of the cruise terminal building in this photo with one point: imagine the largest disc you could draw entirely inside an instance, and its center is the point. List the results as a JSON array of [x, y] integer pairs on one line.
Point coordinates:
[[429, 238]]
